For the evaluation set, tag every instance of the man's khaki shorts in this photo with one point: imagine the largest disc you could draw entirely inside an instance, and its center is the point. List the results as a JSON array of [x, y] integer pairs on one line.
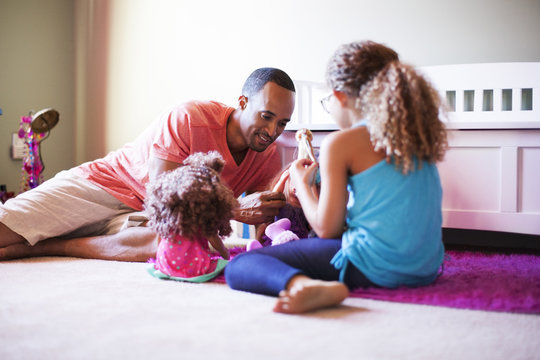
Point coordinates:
[[66, 206]]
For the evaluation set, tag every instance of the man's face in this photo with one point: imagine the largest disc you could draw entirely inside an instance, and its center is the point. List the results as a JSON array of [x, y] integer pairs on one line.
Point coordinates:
[[266, 115]]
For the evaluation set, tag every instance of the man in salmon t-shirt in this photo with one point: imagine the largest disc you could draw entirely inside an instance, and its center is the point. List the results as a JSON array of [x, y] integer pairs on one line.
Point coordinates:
[[83, 211]]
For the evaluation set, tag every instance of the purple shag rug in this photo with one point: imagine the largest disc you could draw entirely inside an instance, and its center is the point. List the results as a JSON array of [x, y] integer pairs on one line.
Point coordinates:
[[470, 280], [477, 281]]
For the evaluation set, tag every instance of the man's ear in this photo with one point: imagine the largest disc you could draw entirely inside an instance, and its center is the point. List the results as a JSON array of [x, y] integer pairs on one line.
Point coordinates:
[[242, 101]]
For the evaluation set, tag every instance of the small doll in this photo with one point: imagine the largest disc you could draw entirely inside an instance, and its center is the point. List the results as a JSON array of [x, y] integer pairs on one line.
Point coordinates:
[[290, 223], [188, 208], [305, 149]]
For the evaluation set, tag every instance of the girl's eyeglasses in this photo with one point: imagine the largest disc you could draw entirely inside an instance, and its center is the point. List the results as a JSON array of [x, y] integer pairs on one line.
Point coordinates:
[[325, 102]]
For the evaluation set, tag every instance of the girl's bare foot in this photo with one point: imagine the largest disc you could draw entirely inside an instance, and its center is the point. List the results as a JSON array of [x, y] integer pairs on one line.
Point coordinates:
[[305, 294]]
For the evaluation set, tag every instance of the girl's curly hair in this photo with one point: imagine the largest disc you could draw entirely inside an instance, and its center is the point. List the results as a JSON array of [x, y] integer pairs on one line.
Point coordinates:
[[401, 107], [191, 200]]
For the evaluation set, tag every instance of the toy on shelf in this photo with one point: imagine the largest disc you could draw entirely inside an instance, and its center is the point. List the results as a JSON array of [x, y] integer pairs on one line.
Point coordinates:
[[34, 129]]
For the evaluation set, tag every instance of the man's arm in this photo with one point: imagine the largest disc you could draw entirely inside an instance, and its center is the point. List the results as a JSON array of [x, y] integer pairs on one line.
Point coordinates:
[[157, 166]]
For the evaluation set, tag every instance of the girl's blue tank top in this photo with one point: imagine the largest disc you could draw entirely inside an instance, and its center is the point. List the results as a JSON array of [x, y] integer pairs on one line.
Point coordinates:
[[394, 225]]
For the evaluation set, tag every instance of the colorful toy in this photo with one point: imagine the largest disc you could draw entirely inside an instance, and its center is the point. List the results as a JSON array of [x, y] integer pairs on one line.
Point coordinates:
[[32, 168], [34, 129], [279, 232]]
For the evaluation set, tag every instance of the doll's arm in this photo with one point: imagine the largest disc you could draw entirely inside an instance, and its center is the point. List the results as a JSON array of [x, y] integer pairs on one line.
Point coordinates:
[[280, 185], [217, 244], [259, 231]]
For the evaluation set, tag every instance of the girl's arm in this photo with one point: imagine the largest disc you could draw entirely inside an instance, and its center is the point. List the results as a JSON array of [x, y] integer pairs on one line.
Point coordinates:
[[326, 215]]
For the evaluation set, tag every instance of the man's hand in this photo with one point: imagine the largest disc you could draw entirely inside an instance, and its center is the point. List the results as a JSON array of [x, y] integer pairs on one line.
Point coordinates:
[[259, 207]]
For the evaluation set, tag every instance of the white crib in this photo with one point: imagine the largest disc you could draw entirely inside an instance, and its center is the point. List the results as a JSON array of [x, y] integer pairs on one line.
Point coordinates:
[[491, 172]]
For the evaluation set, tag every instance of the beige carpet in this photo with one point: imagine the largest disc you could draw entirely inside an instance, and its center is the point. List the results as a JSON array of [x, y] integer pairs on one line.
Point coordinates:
[[67, 308]]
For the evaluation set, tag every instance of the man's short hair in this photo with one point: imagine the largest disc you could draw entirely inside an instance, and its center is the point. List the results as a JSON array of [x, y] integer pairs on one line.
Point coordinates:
[[260, 77]]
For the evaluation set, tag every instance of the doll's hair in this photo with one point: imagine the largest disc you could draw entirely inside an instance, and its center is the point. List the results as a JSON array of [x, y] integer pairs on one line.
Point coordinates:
[[401, 107], [191, 200]]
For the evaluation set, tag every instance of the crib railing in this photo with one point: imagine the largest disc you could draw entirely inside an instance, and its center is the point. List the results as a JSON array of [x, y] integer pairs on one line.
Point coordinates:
[[478, 96], [489, 96], [491, 169]]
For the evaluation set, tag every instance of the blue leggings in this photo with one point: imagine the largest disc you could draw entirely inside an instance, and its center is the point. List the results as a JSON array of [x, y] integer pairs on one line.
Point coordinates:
[[268, 270]]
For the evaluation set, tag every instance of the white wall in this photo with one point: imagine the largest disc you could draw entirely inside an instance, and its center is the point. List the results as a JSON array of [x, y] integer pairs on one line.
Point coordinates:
[[163, 51], [166, 51], [36, 71]]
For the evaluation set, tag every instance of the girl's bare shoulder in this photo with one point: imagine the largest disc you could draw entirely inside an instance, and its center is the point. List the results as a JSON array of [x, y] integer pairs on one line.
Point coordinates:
[[353, 137], [353, 148]]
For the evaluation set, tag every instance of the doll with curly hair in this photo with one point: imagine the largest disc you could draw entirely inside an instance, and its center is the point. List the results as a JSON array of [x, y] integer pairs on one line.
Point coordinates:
[[190, 207]]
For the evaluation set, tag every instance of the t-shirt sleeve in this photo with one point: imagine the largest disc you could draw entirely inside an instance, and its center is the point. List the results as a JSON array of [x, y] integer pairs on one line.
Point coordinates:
[[172, 139]]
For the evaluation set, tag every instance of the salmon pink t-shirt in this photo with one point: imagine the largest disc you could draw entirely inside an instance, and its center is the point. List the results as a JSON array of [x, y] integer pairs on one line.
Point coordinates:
[[196, 126]]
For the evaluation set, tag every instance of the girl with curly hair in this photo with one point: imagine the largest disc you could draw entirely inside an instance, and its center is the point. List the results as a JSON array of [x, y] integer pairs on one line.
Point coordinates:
[[378, 214], [188, 208]]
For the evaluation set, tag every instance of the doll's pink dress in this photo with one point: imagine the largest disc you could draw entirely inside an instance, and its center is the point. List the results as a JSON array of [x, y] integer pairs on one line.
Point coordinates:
[[184, 259]]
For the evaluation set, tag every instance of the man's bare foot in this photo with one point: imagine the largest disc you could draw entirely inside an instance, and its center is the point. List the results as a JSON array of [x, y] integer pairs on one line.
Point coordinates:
[[308, 294], [16, 251]]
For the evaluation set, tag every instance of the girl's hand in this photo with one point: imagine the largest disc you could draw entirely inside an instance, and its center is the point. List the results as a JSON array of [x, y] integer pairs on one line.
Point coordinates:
[[303, 173], [302, 178]]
